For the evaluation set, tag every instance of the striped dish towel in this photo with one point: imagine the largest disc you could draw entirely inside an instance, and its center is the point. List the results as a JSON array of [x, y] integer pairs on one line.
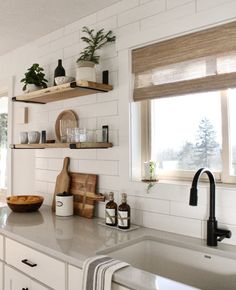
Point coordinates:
[[98, 271]]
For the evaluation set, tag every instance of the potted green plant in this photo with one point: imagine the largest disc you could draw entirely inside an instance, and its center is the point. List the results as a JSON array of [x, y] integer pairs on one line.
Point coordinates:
[[34, 79], [89, 57]]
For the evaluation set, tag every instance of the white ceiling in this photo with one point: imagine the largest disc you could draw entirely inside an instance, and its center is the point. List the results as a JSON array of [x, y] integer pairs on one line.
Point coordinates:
[[22, 21]]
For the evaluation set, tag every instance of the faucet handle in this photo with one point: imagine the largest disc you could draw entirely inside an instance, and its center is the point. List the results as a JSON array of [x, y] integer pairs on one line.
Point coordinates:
[[221, 234]]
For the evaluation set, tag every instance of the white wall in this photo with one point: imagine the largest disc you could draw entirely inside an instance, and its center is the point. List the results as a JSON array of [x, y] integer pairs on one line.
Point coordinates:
[[136, 23]]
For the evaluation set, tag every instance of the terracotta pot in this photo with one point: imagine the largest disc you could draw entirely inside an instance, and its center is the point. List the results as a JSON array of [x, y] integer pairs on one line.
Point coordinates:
[[86, 71]]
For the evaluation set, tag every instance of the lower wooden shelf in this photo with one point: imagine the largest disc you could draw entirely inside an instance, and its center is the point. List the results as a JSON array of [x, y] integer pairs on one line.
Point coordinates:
[[79, 145]]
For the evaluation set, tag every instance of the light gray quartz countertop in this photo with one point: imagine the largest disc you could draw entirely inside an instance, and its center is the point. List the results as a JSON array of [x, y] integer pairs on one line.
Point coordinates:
[[73, 239]]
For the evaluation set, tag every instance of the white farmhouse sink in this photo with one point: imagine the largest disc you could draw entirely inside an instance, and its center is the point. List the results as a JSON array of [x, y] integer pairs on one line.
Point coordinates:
[[191, 267]]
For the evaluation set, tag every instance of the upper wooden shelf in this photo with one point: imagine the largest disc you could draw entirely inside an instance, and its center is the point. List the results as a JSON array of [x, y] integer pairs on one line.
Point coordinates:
[[63, 92], [79, 145]]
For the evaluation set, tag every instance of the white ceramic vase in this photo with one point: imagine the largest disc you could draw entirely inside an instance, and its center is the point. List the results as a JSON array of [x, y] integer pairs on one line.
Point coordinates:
[[86, 71], [32, 88]]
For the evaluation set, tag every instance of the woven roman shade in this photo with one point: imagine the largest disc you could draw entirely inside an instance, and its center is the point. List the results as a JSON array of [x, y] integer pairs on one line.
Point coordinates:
[[198, 62]]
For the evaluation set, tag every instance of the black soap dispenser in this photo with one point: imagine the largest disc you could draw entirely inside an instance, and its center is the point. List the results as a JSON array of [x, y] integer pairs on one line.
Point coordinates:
[[59, 71]]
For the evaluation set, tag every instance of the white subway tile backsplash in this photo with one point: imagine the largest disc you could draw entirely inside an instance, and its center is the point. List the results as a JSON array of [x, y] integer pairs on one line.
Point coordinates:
[[106, 97], [204, 5], [86, 21], [149, 204], [97, 110], [74, 165], [116, 9], [41, 163], [46, 175], [50, 37], [128, 29], [113, 122], [108, 24], [135, 23], [168, 16], [52, 57], [110, 64], [87, 123], [80, 101], [85, 154], [72, 50], [146, 10], [109, 154], [55, 164], [51, 187], [112, 182], [185, 210], [41, 186], [99, 167], [49, 153], [179, 225], [109, 50], [144, 1], [175, 3], [67, 40]]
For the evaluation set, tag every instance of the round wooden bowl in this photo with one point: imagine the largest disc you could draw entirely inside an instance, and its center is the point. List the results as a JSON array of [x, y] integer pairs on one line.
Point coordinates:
[[24, 203]]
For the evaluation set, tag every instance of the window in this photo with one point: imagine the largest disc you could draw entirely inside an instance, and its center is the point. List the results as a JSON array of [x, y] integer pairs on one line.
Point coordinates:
[[183, 114], [3, 144], [186, 133], [191, 135]]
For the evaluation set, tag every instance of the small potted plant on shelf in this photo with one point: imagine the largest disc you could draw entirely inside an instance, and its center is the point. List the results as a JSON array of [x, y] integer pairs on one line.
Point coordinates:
[[34, 79], [89, 57]]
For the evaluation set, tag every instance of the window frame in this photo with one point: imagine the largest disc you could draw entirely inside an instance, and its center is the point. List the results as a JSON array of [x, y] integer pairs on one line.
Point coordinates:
[[222, 176]]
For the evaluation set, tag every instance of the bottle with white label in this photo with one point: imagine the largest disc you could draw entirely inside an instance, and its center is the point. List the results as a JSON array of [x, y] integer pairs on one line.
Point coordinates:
[[111, 211], [124, 213]]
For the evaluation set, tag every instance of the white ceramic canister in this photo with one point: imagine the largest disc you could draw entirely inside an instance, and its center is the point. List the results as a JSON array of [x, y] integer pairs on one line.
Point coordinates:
[[64, 204], [34, 137], [86, 71], [24, 138]]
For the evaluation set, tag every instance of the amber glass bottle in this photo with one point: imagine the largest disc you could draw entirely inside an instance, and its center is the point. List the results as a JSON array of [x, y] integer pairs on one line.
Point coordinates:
[[111, 211], [124, 213]]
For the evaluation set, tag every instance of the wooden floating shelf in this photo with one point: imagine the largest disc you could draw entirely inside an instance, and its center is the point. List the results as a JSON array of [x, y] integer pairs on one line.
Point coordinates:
[[63, 92], [79, 145]]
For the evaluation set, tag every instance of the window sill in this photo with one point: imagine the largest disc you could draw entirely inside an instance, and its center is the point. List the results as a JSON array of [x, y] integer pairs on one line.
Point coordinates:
[[184, 182]]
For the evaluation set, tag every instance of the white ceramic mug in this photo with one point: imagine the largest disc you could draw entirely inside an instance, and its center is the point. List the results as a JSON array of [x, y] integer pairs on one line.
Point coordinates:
[[23, 137], [34, 137]]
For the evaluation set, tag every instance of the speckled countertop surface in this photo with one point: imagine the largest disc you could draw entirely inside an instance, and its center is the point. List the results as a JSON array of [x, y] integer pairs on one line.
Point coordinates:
[[73, 239]]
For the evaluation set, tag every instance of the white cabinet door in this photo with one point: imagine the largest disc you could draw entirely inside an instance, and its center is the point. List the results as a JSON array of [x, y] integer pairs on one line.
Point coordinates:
[[15, 280], [75, 280], [1, 276]]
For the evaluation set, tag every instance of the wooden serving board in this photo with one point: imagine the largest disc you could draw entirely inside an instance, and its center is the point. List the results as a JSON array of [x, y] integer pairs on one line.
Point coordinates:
[[62, 181], [83, 186]]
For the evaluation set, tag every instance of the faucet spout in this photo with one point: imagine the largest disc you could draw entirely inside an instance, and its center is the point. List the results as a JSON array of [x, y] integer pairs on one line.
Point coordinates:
[[213, 233]]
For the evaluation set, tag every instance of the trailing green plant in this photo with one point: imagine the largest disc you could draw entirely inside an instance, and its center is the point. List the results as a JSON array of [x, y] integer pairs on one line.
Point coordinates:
[[95, 41], [35, 75]]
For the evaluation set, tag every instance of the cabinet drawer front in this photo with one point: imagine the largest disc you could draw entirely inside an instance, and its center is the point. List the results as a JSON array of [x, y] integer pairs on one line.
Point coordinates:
[[1, 247], [15, 280], [37, 265]]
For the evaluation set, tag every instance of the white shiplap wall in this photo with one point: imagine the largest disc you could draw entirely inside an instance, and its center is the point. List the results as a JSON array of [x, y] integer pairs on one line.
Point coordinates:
[[136, 23]]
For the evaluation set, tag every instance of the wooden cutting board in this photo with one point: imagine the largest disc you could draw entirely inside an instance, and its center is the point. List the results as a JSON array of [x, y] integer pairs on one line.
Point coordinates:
[[83, 186], [62, 181], [71, 120]]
